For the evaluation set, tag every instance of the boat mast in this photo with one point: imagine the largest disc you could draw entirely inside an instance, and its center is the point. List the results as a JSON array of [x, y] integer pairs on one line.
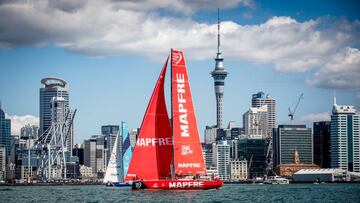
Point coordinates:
[[172, 166]]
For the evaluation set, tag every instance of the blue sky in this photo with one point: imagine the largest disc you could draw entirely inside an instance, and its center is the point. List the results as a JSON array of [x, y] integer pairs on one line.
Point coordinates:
[[111, 53]]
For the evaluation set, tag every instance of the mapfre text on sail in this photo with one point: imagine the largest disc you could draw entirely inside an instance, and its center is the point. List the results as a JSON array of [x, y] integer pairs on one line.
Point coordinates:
[[180, 87]]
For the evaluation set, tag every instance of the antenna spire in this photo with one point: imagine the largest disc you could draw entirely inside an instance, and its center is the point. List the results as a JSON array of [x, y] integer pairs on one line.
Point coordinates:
[[334, 97], [218, 46]]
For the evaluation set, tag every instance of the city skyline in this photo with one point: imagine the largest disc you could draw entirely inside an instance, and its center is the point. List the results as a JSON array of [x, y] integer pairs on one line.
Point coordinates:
[[118, 80]]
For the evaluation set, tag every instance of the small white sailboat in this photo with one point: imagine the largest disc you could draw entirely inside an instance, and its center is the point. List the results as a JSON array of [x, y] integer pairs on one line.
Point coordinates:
[[115, 173]]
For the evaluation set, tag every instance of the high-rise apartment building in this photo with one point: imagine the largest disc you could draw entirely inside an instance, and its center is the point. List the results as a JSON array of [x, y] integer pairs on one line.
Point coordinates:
[[255, 121], [290, 138], [54, 92], [5, 132], [259, 99], [223, 160], [345, 138], [94, 153], [321, 143]]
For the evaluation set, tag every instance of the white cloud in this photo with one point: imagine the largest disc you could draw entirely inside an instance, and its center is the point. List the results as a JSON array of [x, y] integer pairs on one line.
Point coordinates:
[[17, 122], [324, 116], [341, 71], [104, 28]]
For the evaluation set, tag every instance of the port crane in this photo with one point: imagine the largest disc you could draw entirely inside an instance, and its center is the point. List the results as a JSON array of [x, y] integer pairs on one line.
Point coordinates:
[[292, 113]]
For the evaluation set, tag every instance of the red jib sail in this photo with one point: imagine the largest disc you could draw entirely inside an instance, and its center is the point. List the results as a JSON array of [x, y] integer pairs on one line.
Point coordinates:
[[188, 158], [152, 153]]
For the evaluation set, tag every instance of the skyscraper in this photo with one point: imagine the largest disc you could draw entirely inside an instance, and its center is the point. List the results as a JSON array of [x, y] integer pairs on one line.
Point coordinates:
[[219, 74], [110, 132], [290, 138], [253, 149], [255, 121], [321, 144], [345, 138], [259, 99], [94, 153], [5, 132], [54, 88]]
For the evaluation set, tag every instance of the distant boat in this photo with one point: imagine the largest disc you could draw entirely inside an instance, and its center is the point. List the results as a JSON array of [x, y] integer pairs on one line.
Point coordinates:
[[118, 165], [168, 154], [276, 180]]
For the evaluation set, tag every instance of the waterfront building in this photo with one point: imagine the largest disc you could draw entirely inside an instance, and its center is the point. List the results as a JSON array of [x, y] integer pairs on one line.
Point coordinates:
[[2, 162], [109, 132], [253, 148], [94, 153], [238, 170], [5, 132], [212, 172], [287, 139], [259, 99], [54, 88], [321, 142], [320, 175], [73, 169], [86, 172], [78, 151], [345, 138], [287, 170], [223, 159], [255, 121], [26, 164], [219, 74]]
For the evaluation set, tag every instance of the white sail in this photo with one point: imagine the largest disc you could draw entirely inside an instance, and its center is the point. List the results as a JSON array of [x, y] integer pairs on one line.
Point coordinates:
[[113, 170]]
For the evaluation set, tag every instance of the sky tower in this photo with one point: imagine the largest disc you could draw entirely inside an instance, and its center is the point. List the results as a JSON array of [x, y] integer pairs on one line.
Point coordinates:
[[219, 74]]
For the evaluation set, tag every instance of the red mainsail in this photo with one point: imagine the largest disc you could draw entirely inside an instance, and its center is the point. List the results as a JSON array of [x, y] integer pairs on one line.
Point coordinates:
[[188, 158], [152, 154]]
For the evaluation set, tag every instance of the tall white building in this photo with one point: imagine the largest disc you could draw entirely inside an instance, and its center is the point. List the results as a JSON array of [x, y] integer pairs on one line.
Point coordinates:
[[255, 121], [223, 160], [259, 99], [345, 138]]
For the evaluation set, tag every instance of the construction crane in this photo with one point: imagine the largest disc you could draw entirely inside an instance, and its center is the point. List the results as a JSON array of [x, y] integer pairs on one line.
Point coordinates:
[[292, 113]]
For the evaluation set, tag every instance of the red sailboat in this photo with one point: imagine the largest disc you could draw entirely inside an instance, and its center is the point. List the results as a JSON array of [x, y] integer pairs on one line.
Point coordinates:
[[168, 155]]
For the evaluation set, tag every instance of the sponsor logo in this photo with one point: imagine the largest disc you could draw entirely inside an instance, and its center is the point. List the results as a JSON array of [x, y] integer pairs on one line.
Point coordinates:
[[177, 57], [186, 184], [189, 165], [113, 158], [145, 142], [180, 87], [155, 185], [185, 150]]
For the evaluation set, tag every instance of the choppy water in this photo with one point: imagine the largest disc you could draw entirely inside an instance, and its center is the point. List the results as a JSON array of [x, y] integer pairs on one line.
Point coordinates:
[[229, 193]]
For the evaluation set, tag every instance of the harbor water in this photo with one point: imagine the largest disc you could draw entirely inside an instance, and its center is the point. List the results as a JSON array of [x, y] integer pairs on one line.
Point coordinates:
[[229, 193]]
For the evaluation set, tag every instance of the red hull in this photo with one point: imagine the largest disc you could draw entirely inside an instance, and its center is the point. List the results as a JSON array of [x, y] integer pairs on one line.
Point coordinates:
[[178, 184]]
